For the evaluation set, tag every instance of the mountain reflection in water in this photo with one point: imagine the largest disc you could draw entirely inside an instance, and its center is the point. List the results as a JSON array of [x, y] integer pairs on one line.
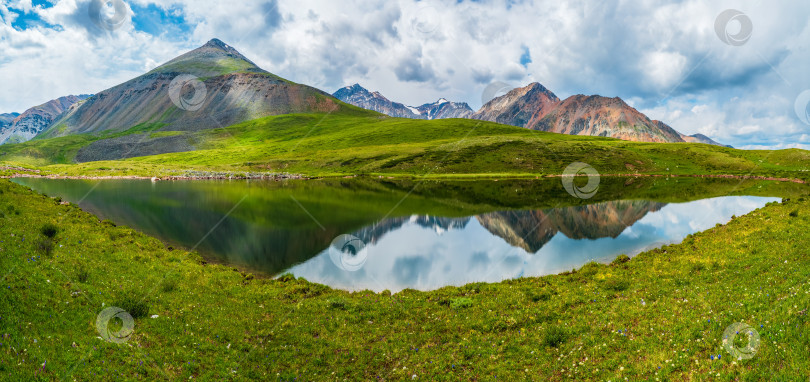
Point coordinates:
[[449, 233], [426, 253]]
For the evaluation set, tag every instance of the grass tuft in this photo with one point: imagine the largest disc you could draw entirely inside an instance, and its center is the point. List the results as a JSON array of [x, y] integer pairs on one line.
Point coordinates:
[[168, 285], [82, 275], [132, 303], [49, 230], [555, 336], [621, 259], [461, 303]]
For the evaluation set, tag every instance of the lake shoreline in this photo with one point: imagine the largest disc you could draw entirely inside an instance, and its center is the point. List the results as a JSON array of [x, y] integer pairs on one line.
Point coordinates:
[[155, 179], [494, 177]]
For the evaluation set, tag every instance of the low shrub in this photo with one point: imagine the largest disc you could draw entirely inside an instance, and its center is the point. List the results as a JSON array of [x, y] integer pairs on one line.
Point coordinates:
[[137, 307], [49, 230], [555, 336]]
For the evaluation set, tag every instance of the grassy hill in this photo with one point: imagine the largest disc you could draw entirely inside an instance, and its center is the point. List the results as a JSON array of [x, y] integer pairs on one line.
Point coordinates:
[[356, 142]]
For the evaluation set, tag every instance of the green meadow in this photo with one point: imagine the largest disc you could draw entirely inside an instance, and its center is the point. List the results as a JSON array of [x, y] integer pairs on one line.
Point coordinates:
[[355, 142]]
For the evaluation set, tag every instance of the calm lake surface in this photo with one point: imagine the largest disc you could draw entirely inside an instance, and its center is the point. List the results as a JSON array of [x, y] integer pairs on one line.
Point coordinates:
[[373, 234]]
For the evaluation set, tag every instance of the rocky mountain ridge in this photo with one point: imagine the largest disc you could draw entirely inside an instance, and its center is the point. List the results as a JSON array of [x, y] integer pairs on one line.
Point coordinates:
[[441, 109], [6, 118], [700, 138], [24, 127], [519, 106], [538, 108], [602, 117]]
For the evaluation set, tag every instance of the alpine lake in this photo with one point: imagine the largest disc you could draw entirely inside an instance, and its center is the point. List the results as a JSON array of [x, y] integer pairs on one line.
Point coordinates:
[[393, 234]]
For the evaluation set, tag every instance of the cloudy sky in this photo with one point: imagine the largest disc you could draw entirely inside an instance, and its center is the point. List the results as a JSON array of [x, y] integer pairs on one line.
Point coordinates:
[[736, 77]]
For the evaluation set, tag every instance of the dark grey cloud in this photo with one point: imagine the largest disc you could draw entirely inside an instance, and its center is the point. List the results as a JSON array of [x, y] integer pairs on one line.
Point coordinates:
[[413, 68]]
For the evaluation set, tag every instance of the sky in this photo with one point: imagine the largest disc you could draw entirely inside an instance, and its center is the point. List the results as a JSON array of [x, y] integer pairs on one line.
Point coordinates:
[[733, 70]]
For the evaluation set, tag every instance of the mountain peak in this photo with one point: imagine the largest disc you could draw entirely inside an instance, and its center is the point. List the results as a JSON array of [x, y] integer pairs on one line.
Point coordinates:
[[700, 138], [536, 86], [212, 59], [234, 90], [217, 43], [602, 116], [518, 106]]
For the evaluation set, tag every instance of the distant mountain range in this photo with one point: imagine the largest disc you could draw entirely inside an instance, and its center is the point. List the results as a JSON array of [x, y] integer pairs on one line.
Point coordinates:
[[16, 128], [537, 108], [441, 109], [232, 89]]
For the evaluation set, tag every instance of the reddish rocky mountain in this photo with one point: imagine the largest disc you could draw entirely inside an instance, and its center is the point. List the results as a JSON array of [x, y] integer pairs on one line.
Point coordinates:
[[603, 117], [537, 108], [519, 106]]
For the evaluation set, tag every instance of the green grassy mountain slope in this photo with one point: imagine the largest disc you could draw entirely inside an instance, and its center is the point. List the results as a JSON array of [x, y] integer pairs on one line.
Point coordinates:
[[345, 143]]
